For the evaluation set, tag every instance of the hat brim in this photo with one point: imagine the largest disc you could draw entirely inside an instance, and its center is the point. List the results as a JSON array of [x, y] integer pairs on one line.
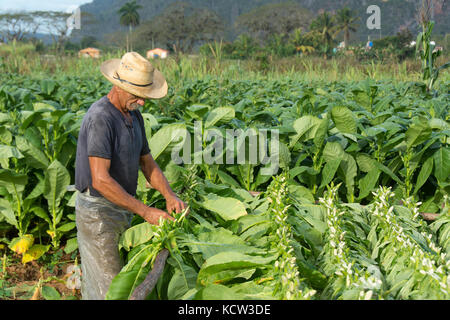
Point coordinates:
[[157, 90]]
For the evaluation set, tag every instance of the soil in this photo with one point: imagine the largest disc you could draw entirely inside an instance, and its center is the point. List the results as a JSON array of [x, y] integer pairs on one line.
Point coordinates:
[[20, 280]]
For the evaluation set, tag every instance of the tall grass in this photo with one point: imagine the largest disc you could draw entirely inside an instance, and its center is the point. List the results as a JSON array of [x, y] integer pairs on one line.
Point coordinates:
[[181, 68]]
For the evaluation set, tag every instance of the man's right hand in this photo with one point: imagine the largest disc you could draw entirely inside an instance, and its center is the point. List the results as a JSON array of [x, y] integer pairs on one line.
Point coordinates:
[[152, 215]]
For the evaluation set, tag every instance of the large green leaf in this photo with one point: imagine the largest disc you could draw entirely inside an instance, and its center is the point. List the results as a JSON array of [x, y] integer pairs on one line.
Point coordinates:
[[150, 123], [365, 162], [442, 164], [227, 208], [181, 282], [419, 132], [5, 136], [33, 156], [329, 170], [50, 293], [367, 184], [57, 178], [227, 179], [333, 151], [13, 182], [131, 275], [219, 115], [306, 128], [424, 173], [166, 138], [38, 189], [344, 119], [136, 235], [216, 241], [5, 118], [197, 111], [217, 292], [321, 132], [347, 167], [229, 261], [7, 152], [7, 212], [301, 192]]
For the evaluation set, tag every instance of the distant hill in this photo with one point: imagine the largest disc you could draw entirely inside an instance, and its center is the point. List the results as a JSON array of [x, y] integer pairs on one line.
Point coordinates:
[[395, 14]]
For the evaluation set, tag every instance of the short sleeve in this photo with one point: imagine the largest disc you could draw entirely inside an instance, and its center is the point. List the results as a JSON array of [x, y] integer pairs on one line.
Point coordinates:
[[99, 138], [145, 148]]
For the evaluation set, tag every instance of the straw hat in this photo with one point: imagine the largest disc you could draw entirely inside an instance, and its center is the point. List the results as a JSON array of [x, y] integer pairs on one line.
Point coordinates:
[[136, 75]]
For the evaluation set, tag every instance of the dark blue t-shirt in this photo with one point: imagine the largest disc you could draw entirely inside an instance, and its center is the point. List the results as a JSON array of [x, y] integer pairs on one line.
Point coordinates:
[[105, 133]]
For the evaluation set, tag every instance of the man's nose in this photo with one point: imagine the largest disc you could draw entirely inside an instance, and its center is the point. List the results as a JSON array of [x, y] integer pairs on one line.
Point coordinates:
[[141, 102]]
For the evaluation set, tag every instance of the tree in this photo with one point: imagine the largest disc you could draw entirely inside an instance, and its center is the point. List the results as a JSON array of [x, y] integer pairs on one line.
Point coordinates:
[[55, 23], [325, 26], [244, 46], [274, 19], [17, 26], [130, 18], [346, 22], [181, 26], [300, 42]]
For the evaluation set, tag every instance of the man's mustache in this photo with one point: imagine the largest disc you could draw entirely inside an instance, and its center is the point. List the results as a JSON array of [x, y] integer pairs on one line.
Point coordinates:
[[134, 106]]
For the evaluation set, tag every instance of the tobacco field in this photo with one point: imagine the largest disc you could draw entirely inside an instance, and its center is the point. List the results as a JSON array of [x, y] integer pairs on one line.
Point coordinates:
[[362, 168]]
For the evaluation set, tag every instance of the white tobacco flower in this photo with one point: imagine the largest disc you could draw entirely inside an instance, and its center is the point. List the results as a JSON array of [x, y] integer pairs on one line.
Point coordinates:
[[291, 286], [427, 263], [288, 295], [348, 281], [368, 295]]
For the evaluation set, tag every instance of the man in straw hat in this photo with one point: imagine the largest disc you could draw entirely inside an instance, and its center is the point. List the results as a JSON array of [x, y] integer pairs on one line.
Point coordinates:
[[112, 145]]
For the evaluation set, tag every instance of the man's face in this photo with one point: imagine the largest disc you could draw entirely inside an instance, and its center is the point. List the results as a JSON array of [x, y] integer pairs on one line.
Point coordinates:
[[130, 101]]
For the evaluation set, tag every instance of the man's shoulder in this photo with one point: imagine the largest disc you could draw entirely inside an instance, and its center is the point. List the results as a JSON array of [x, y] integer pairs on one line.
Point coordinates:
[[100, 109], [101, 105]]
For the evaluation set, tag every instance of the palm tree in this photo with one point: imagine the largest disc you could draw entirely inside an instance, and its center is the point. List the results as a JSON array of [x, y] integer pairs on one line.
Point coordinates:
[[346, 21], [325, 26], [297, 39], [130, 18]]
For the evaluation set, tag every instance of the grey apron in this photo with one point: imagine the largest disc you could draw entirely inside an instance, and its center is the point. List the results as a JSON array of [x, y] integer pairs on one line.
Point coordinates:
[[99, 226]]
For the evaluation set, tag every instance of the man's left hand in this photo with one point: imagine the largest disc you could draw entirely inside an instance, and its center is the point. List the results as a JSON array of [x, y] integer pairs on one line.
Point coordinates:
[[173, 203]]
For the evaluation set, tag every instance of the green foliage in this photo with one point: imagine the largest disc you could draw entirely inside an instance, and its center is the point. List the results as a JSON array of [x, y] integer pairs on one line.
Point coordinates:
[[358, 135], [428, 54], [273, 19], [193, 25]]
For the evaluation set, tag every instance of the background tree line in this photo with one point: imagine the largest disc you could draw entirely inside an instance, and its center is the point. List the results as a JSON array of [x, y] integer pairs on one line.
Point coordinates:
[[280, 28]]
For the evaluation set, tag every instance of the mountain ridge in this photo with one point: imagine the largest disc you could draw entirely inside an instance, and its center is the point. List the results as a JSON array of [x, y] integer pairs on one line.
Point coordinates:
[[395, 14]]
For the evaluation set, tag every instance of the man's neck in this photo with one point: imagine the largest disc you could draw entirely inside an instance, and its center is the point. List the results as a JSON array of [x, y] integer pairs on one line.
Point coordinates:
[[115, 101]]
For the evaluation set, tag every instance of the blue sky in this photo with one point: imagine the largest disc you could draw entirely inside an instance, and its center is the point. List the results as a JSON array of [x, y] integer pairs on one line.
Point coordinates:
[[40, 5]]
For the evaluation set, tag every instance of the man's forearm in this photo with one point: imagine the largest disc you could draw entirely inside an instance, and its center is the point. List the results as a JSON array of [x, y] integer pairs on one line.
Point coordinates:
[[111, 190], [155, 176]]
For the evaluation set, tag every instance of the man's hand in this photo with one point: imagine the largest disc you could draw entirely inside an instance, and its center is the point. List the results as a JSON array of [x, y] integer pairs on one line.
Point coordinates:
[[173, 203], [152, 215]]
